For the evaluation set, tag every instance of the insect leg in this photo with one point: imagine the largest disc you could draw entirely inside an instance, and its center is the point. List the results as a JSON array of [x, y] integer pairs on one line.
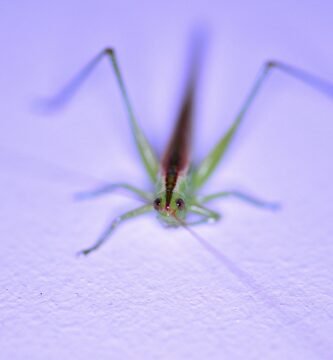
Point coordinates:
[[114, 224], [103, 190], [242, 196], [146, 152], [205, 169], [207, 215]]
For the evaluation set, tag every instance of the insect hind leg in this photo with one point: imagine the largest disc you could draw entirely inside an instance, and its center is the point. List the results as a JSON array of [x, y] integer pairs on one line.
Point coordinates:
[[309, 79], [62, 98], [214, 157]]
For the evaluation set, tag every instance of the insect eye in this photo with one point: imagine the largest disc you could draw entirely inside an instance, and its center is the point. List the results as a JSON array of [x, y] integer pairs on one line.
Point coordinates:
[[180, 204], [157, 203]]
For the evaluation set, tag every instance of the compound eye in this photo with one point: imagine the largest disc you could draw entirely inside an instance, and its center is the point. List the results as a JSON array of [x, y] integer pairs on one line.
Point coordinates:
[[157, 203], [180, 204]]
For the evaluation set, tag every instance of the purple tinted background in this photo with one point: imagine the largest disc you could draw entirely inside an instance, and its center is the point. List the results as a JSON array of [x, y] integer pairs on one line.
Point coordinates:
[[154, 293]]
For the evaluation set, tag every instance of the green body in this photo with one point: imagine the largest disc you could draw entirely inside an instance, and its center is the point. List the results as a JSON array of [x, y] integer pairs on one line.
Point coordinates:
[[175, 188]]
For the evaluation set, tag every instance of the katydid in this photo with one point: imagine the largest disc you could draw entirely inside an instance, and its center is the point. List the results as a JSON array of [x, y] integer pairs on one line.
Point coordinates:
[[176, 181]]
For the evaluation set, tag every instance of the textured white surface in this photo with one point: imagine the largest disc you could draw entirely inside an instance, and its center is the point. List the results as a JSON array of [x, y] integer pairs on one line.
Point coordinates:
[[154, 293]]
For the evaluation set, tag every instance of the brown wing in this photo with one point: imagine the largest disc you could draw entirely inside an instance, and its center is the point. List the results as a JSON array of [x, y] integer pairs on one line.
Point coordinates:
[[177, 155]]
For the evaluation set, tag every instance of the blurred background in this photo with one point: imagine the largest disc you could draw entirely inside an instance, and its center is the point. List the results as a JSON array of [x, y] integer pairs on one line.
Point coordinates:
[[265, 292]]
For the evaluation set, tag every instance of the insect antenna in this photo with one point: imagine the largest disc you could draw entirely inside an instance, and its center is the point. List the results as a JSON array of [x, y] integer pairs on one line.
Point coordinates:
[[188, 229], [246, 279]]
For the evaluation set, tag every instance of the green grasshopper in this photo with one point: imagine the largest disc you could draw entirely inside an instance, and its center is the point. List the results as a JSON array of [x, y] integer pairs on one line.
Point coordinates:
[[176, 182]]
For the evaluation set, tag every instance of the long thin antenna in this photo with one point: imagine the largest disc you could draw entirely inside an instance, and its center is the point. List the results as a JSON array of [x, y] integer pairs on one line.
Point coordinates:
[[299, 329], [241, 275]]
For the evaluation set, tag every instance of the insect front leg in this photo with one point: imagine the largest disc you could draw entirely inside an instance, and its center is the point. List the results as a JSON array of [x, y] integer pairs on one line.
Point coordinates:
[[207, 215], [114, 224], [108, 188], [241, 196]]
